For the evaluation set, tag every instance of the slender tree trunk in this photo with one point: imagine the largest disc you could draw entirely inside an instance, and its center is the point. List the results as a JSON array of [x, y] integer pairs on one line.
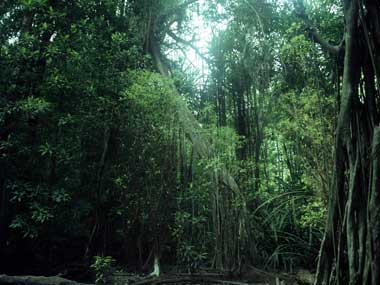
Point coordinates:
[[4, 205], [258, 140]]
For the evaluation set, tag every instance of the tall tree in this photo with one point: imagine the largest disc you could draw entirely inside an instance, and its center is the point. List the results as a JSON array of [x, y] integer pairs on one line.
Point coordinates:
[[350, 251]]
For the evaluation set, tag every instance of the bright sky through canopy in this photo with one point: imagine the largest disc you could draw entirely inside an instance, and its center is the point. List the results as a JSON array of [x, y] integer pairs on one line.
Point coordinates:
[[201, 36]]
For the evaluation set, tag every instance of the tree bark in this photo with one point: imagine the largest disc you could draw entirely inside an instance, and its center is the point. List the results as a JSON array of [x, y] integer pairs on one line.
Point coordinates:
[[350, 248]]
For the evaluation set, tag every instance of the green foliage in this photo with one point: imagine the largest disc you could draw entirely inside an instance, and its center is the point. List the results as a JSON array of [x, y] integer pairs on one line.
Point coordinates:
[[190, 257], [102, 267], [314, 215], [95, 148], [34, 106], [39, 206]]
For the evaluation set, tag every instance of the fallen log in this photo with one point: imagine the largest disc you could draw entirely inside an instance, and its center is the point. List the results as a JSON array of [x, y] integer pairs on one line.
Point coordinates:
[[36, 280], [189, 278]]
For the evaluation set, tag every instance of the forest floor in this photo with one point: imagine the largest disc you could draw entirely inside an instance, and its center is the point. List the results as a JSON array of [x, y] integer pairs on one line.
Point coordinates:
[[253, 276]]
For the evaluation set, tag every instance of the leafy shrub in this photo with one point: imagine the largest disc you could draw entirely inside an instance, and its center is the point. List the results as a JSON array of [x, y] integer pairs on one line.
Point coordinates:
[[103, 268], [190, 257]]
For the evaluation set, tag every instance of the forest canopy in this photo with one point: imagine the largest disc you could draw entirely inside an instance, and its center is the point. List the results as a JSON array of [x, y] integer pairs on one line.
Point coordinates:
[[147, 135]]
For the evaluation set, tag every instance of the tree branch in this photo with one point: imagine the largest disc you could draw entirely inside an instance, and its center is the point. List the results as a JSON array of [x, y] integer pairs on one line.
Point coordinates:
[[316, 37], [189, 44]]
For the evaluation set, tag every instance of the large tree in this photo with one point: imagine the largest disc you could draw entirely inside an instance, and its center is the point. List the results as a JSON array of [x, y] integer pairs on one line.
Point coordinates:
[[350, 251]]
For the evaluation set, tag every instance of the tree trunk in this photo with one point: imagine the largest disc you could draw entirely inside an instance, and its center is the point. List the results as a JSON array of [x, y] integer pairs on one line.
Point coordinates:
[[4, 205], [350, 249]]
